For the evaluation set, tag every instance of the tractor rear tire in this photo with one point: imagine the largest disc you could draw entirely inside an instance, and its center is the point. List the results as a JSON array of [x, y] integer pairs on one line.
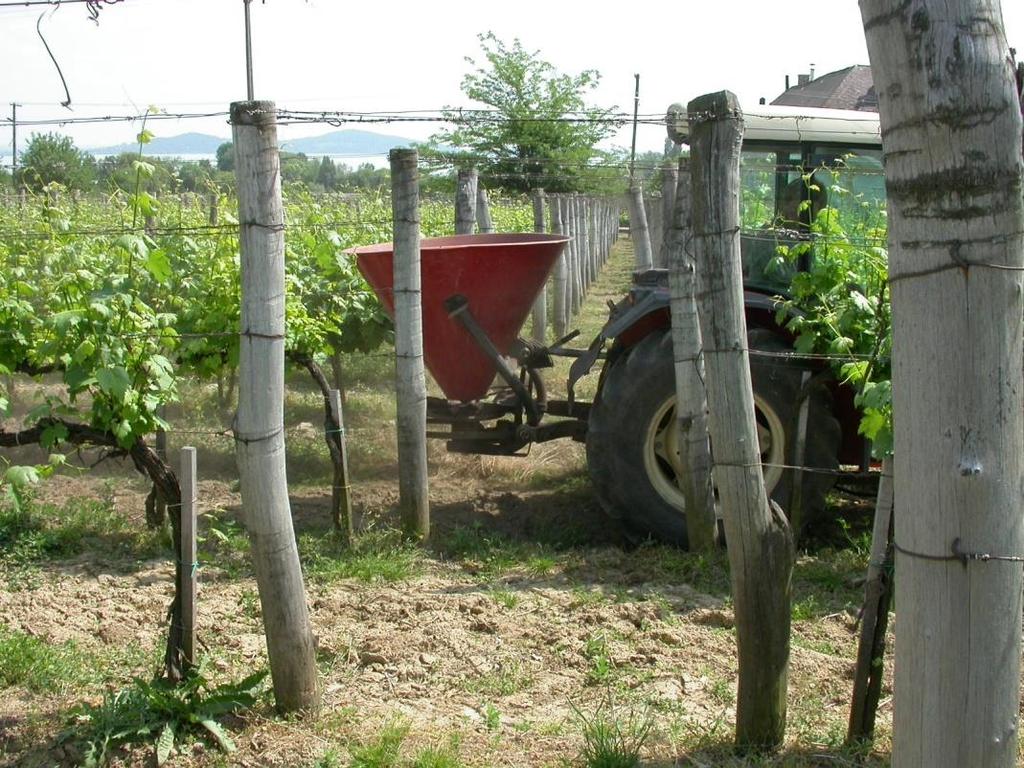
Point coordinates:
[[630, 438]]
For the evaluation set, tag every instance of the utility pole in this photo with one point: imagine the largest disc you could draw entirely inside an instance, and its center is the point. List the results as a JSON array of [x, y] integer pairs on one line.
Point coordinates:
[[14, 145], [636, 111], [248, 52]]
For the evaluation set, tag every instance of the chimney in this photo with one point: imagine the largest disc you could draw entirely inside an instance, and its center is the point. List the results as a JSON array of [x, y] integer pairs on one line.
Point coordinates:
[[803, 79], [787, 82], [811, 76]]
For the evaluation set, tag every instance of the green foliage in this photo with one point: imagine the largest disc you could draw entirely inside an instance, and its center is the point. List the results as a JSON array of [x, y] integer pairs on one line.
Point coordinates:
[[840, 305], [612, 739], [161, 712], [535, 139], [51, 158], [226, 157]]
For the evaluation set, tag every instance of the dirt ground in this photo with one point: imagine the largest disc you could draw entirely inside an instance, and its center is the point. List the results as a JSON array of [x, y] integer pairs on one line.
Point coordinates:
[[516, 616], [528, 616]]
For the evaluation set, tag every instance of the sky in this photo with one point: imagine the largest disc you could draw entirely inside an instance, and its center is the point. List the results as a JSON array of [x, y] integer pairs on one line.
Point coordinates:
[[189, 56]]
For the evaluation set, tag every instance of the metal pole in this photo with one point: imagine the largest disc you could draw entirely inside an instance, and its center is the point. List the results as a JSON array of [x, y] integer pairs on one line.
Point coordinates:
[[636, 110], [248, 52], [14, 145]]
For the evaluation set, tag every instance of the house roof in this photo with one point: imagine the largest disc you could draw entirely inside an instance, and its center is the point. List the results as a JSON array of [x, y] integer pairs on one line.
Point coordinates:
[[850, 88]]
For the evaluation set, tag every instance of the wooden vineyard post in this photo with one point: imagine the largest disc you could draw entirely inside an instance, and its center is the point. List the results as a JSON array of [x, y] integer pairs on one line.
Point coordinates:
[[485, 224], [867, 676], [669, 184], [761, 550], [341, 488], [465, 202], [691, 396], [559, 286], [410, 378], [189, 565], [540, 306], [638, 228], [950, 115], [214, 199], [259, 426]]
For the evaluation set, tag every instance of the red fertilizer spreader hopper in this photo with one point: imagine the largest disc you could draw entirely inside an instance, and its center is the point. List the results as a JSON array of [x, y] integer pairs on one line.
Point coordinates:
[[476, 293]]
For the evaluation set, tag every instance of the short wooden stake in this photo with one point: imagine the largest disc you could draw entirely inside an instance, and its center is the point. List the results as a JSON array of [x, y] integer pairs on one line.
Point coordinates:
[[867, 675], [341, 489], [189, 564]]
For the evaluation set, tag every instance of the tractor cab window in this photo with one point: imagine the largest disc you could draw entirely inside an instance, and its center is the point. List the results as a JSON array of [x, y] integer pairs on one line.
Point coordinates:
[[784, 188]]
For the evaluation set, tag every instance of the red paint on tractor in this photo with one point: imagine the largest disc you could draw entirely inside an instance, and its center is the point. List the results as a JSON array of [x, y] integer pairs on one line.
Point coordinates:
[[500, 275]]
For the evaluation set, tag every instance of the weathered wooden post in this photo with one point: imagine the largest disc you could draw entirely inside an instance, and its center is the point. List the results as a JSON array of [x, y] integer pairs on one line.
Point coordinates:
[[867, 676], [485, 224], [761, 550], [638, 228], [559, 285], [259, 425], [655, 227], [540, 306], [669, 184], [214, 201], [410, 378], [465, 201], [691, 396], [189, 564], [569, 230], [951, 119]]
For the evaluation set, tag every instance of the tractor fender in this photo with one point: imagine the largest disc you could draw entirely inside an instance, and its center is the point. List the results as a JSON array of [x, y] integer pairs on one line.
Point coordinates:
[[647, 310]]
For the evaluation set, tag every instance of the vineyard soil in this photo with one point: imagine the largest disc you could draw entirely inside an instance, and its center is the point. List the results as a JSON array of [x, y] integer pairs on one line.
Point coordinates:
[[526, 613]]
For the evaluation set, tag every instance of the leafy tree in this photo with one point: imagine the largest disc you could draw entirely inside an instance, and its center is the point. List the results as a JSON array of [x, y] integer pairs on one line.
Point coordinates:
[[540, 131], [51, 157], [327, 173], [226, 157]]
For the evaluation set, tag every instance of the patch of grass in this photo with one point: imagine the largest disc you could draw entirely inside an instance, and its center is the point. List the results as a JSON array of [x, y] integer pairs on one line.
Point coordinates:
[[505, 598], [490, 555], [706, 572], [807, 608], [379, 555], [446, 756], [612, 739], [34, 533], [41, 667], [721, 690], [507, 680], [384, 751]]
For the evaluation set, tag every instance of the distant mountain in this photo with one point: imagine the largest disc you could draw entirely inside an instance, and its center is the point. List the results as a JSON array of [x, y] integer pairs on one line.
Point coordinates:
[[344, 142], [183, 144]]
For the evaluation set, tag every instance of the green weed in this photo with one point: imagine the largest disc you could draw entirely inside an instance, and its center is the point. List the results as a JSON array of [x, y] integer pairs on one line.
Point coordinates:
[[596, 652], [612, 739], [161, 712]]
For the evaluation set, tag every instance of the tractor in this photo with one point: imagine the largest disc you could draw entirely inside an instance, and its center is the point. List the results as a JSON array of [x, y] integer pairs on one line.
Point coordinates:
[[790, 156]]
